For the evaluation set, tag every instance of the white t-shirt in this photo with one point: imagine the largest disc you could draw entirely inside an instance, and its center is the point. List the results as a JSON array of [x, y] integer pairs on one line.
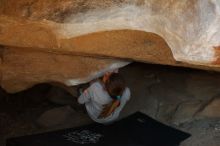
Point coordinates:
[[95, 98]]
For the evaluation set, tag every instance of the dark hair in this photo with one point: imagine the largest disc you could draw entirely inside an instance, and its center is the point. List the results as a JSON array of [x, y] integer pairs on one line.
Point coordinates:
[[115, 87]]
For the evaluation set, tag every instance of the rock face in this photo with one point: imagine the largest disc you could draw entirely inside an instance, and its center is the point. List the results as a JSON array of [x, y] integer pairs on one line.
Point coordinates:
[[180, 33], [23, 69], [211, 109]]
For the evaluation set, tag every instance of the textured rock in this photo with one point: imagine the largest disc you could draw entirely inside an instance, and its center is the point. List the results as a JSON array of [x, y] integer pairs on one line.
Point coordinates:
[[156, 98], [185, 112], [204, 132], [190, 28], [180, 33], [127, 44], [211, 110], [62, 116], [23, 69], [55, 10]]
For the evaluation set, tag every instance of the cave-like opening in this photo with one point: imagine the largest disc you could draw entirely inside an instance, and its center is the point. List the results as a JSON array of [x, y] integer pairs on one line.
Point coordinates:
[[182, 97]]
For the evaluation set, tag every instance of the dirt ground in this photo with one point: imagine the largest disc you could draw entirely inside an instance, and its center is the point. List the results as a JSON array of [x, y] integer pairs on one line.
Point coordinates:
[[174, 96]]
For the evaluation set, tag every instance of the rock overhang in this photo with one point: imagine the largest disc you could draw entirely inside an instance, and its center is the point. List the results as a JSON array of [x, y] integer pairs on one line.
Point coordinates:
[[180, 33]]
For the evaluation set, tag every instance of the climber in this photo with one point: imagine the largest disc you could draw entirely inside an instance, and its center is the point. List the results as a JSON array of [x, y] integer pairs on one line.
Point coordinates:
[[105, 98]]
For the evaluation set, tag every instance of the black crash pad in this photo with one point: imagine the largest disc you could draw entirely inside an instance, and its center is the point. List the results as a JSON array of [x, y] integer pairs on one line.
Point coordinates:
[[137, 129]]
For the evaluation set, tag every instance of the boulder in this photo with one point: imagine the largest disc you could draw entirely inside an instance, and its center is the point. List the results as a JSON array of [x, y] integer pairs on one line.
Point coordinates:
[[185, 112], [96, 36], [24, 69], [190, 28], [211, 110]]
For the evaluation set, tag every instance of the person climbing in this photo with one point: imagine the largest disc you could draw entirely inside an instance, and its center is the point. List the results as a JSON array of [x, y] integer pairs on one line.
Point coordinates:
[[105, 98]]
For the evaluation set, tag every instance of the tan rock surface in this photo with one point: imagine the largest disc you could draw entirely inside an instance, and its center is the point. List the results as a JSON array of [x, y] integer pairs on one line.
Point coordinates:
[[179, 33], [23, 69], [124, 44], [211, 110], [190, 28], [55, 10]]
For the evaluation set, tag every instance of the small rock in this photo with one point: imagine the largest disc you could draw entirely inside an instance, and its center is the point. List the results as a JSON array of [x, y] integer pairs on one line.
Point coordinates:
[[211, 110], [186, 111]]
